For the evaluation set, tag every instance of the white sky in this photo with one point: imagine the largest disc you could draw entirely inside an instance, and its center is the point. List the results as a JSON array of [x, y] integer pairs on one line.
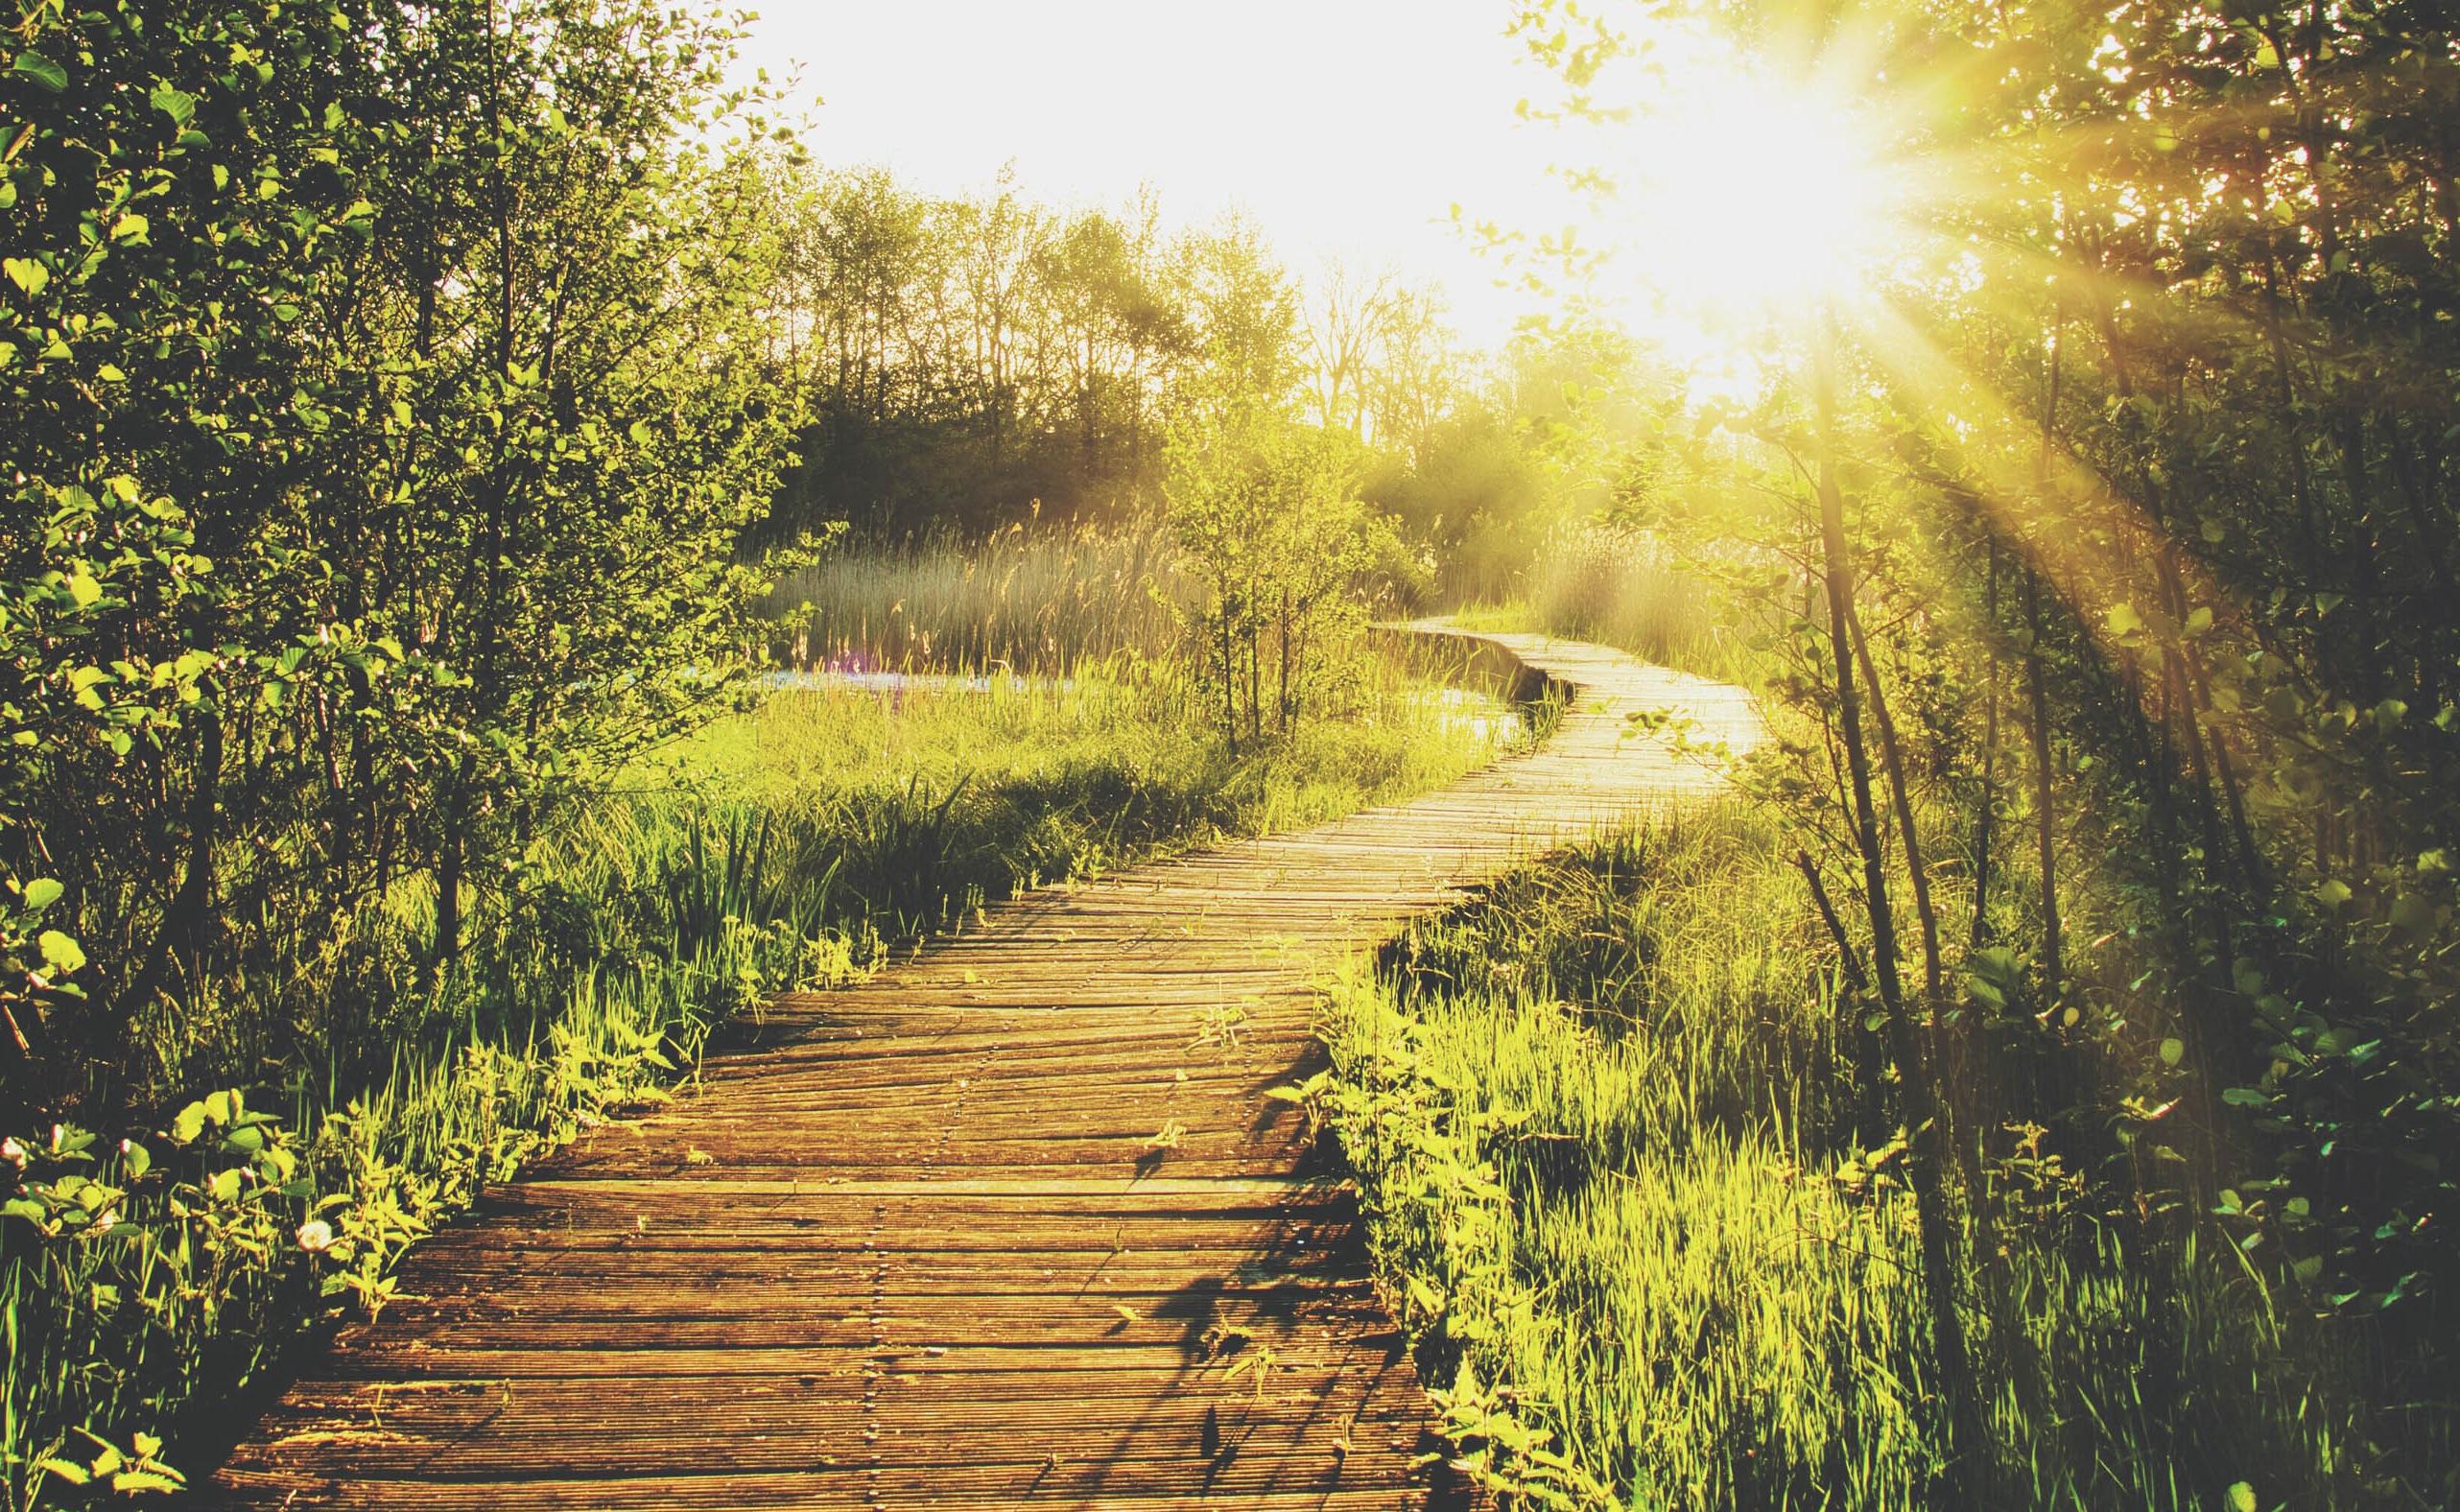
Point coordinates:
[[1342, 126]]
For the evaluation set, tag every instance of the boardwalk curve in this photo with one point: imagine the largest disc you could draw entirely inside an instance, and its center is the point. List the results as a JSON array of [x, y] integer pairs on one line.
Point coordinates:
[[1011, 1223]]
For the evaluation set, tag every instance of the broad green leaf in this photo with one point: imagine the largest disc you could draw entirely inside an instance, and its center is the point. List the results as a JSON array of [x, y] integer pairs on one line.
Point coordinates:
[[44, 891], [33, 65], [62, 954], [62, 1470], [176, 104]]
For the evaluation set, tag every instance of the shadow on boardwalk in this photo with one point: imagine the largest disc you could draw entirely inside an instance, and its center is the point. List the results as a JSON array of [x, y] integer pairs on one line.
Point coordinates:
[[1013, 1221]]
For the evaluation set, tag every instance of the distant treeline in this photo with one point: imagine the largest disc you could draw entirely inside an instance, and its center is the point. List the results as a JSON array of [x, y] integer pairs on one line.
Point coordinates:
[[976, 360]]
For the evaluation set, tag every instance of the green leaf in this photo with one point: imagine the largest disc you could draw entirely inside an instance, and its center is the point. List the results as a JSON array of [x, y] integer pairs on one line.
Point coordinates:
[[28, 274], [33, 65], [2172, 1052], [63, 955], [176, 104], [62, 1470], [2242, 1498], [190, 1123], [42, 892], [2124, 621]]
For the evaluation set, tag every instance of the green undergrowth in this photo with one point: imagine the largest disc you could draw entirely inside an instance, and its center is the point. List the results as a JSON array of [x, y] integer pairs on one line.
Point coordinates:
[[145, 1279], [1624, 1185]]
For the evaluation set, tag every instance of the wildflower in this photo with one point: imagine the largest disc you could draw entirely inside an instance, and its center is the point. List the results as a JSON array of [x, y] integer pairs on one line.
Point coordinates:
[[14, 1152], [316, 1236], [104, 1223]]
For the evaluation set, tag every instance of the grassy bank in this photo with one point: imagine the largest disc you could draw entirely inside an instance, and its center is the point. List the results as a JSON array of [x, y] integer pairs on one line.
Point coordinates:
[[1619, 1151], [144, 1280]]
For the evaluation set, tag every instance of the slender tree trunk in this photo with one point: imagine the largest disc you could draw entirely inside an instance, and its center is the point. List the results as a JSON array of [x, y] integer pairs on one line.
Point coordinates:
[[1255, 684], [2036, 682], [1987, 817], [1286, 630], [1901, 798], [1852, 961], [1923, 1168], [2037, 687]]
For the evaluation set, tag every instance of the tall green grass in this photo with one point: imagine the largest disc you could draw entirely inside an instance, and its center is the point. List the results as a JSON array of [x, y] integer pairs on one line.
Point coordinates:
[[1594, 583], [141, 1282], [1040, 598], [1616, 1146]]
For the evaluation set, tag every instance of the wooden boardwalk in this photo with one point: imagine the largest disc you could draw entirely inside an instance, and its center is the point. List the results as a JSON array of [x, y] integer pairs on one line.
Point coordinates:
[[1011, 1223]]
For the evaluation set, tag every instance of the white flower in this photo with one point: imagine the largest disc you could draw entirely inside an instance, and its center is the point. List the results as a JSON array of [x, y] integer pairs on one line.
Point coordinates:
[[14, 1152], [316, 1236]]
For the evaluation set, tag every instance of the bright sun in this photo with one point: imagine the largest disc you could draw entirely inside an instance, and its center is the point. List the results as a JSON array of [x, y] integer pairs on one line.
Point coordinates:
[[1756, 199], [1738, 199]]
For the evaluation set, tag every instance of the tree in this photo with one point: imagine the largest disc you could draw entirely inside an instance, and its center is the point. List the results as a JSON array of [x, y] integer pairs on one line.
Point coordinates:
[[382, 403], [1268, 515]]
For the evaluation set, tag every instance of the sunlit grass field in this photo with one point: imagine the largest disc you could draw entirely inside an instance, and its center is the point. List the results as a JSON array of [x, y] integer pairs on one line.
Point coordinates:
[[933, 793], [1607, 1124]]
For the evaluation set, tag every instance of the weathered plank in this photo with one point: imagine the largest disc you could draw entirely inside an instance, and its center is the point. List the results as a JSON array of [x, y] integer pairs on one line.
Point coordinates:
[[1012, 1221]]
